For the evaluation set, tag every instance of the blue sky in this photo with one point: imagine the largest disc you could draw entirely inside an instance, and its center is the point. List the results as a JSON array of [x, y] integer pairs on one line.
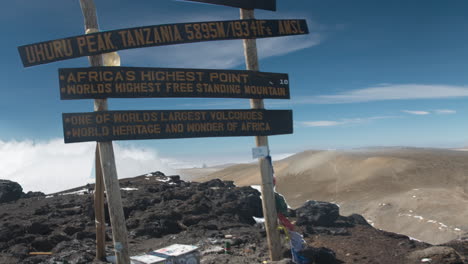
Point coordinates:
[[371, 73]]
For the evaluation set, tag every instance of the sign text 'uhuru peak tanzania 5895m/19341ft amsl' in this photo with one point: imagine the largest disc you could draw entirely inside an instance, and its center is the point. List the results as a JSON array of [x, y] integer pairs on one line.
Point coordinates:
[[148, 36]]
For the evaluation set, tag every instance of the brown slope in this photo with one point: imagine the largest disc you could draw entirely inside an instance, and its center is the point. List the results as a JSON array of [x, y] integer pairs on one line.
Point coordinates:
[[422, 193]]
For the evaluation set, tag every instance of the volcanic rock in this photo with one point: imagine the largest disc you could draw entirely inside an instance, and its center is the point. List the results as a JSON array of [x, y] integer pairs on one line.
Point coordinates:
[[319, 255], [10, 191], [438, 254], [317, 213], [33, 194], [161, 211]]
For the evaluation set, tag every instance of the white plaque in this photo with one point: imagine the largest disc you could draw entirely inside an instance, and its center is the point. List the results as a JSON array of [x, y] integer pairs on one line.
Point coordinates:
[[260, 152]]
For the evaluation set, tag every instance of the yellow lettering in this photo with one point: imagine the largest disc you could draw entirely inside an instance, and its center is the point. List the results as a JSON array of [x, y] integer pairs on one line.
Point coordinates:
[[90, 39], [123, 36], [108, 40]]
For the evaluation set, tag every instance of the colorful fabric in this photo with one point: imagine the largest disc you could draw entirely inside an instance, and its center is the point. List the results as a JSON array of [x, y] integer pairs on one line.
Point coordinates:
[[297, 244], [281, 205], [285, 222], [286, 232]]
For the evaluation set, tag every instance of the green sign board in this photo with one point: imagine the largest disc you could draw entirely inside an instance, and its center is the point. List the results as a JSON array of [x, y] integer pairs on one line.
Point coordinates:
[[155, 124], [135, 82], [109, 41]]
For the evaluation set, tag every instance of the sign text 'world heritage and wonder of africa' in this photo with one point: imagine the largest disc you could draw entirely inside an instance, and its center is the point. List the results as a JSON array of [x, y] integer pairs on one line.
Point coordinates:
[[148, 36], [134, 82], [155, 124], [247, 4]]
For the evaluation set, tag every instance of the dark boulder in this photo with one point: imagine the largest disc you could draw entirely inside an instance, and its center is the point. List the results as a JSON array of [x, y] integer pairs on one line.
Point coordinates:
[[72, 229], [40, 228], [357, 219], [437, 254], [10, 191], [42, 244], [33, 194], [317, 213], [211, 184], [319, 255]]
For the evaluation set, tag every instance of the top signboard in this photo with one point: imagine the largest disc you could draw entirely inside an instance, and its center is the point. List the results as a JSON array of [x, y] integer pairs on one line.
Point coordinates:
[[247, 4], [131, 38]]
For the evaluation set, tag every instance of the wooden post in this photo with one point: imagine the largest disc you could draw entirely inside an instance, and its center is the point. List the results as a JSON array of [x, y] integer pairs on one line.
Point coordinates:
[[99, 210], [106, 155], [268, 195]]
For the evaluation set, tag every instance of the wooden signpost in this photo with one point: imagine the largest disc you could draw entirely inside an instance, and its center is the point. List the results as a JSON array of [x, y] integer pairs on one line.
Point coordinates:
[[106, 171], [160, 35], [248, 4], [133, 82], [266, 170], [131, 125], [99, 83]]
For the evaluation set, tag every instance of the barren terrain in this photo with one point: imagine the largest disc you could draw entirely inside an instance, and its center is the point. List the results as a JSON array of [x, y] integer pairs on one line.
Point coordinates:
[[422, 193]]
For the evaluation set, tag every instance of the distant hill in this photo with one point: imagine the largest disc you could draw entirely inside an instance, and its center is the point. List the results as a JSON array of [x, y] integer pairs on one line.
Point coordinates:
[[420, 192]]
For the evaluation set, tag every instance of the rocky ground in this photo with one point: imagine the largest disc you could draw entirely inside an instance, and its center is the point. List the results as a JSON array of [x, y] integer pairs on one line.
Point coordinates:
[[162, 210]]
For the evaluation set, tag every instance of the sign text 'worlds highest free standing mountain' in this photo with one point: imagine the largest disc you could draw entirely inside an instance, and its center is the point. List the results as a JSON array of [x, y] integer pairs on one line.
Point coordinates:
[[134, 82]]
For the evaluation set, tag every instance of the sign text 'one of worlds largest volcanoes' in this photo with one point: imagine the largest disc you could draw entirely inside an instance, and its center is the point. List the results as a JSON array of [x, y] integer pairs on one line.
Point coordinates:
[[109, 41], [162, 124]]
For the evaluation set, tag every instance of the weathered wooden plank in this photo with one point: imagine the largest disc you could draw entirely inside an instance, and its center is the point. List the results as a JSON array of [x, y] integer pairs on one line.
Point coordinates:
[[268, 194], [136, 82], [163, 124], [105, 167], [99, 209], [159, 35]]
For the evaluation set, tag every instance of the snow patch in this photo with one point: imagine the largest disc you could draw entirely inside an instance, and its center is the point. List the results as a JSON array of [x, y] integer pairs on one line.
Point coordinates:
[[163, 179], [259, 220], [129, 189], [257, 187], [370, 222], [79, 192]]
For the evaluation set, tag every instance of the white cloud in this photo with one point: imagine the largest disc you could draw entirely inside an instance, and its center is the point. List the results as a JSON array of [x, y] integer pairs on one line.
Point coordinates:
[[416, 112], [438, 111], [389, 92], [341, 122], [445, 111], [53, 166], [321, 123]]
